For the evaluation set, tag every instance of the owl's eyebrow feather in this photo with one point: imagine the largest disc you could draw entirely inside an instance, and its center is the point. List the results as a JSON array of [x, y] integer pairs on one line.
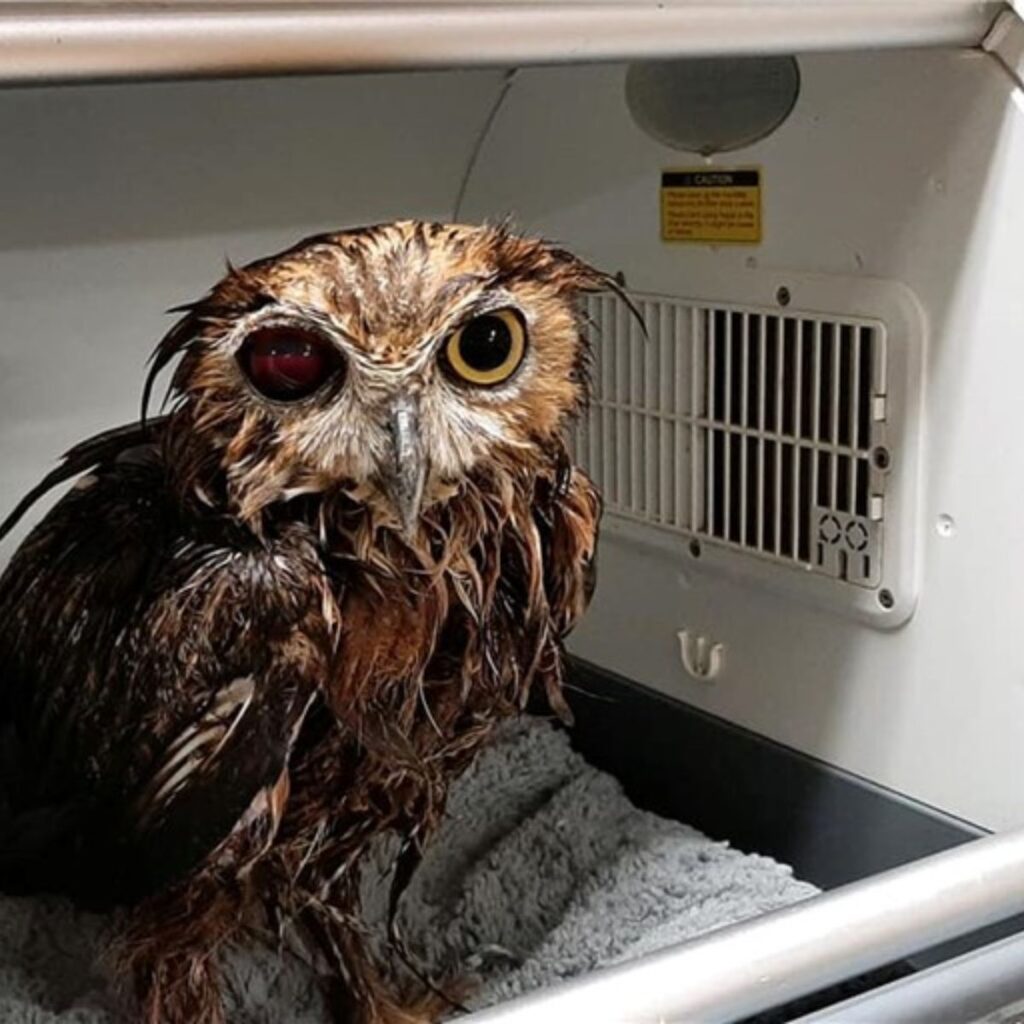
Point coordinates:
[[453, 286], [480, 305], [289, 312], [260, 301]]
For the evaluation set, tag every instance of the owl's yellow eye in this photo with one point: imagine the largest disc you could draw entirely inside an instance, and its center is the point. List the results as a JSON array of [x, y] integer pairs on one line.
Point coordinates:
[[487, 350]]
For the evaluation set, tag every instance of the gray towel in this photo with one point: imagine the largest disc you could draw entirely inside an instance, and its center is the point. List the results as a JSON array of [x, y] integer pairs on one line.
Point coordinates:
[[543, 870]]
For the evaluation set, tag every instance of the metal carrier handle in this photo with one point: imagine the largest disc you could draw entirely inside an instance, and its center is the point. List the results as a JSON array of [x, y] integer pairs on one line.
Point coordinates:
[[76, 40], [753, 966]]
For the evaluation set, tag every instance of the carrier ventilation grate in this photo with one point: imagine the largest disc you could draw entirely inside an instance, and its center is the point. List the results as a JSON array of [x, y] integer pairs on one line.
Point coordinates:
[[746, 428]]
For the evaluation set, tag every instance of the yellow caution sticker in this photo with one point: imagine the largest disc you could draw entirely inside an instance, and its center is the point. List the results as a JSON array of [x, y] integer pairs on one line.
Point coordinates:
[[711, 205]]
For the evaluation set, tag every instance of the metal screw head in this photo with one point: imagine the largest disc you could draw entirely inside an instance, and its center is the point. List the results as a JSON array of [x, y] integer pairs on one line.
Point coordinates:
[[882, 458], [886, 599], [782, 296], [695, 548]]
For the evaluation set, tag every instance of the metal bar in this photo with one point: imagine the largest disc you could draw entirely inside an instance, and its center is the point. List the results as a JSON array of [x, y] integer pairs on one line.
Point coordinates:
[[965, 989], [752, 966], [666, 387], [744, 414], [879, 349], [797, 411], [698, 406], [594, 413], [628, 408], [608, 434], [623, 416], [762, 426], [838, 338], [650, 450], [91, 40], [816, 424], [780, 342], [854, 334], [638, 471], [714, 413], [727, 497]]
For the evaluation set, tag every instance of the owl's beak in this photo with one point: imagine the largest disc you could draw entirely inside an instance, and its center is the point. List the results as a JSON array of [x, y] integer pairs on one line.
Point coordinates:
[[407, 474]]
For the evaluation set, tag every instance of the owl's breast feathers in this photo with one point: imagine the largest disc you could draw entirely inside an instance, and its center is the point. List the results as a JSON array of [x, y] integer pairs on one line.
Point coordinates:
[[173, 687]]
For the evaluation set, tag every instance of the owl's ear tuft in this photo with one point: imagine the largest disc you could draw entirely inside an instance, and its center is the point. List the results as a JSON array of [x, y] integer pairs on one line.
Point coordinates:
[[173, 344], [617, 287], [583, 278], [577, 274]]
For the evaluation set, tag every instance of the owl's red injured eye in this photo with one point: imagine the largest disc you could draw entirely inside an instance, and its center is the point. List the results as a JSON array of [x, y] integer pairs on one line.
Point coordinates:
[[287, 363]]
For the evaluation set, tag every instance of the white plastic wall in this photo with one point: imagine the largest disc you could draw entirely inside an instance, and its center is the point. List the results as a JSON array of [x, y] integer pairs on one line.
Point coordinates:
[[118, 202], [903, 166]]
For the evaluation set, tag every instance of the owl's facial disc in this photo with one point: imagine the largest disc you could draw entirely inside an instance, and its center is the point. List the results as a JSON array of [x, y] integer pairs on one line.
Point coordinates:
[[395, 364]]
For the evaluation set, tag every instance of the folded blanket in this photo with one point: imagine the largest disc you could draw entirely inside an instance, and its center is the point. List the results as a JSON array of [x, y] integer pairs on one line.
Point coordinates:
[[543, 870]]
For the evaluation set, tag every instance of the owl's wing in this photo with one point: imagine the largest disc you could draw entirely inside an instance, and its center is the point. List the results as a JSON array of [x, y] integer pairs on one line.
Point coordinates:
[[153, 679], [85, 456], [223, 780]]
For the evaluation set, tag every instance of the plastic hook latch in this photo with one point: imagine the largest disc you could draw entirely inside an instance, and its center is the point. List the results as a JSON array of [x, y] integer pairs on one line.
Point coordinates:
[[701, 657]]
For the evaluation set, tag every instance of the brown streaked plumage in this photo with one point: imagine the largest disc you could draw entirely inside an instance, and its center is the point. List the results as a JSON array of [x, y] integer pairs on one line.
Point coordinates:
[[275, 623]]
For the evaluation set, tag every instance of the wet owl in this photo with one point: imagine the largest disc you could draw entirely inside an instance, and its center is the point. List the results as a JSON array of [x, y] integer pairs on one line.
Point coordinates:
[[275, 622]]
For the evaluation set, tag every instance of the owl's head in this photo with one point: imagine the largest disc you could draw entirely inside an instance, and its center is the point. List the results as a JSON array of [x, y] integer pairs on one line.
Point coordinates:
[[391, 363]]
